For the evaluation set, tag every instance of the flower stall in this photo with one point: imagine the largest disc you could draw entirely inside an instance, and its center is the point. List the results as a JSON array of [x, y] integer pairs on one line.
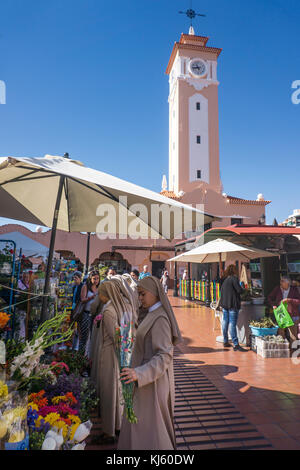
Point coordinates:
[[45, 402]]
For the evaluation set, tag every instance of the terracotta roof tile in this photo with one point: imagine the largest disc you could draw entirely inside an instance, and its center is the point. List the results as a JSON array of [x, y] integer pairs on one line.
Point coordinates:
[[170, 194], [238, 200]]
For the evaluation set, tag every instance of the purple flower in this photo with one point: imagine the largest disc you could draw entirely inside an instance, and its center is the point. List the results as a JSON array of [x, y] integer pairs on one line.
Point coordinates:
[[66, 383]]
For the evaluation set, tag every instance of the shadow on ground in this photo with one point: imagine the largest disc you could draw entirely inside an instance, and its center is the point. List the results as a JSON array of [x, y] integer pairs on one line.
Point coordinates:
[[186, 349]]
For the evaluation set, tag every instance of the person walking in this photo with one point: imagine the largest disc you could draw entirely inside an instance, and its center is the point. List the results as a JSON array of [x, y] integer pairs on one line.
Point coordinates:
[[230, 301], [152, 373], [164, 280], [116, 301], [88, 293]]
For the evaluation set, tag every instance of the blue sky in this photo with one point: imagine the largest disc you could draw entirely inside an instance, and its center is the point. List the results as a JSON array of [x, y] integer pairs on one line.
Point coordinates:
[[88, 77]]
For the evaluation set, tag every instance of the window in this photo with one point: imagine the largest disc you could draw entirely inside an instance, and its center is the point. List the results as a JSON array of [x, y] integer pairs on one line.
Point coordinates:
[[198, 139], [199, 174], [236, 221], [198, 106]]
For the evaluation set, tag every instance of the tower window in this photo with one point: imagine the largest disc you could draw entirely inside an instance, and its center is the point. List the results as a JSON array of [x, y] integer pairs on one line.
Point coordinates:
[[198, 106], [199, 174], [236, 221], [198, 139]]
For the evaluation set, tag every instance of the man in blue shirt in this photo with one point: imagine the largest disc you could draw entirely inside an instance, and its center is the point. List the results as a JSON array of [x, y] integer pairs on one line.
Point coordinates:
[[145, 273]]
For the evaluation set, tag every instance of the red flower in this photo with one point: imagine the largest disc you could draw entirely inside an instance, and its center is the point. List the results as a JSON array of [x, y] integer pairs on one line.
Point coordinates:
[[59, 367]]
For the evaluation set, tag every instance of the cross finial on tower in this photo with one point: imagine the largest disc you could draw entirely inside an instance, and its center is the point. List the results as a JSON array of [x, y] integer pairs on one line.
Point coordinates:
[[191, 14]]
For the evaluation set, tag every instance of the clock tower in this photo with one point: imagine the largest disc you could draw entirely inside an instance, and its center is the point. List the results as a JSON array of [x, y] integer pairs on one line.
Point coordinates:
[[193, 115]]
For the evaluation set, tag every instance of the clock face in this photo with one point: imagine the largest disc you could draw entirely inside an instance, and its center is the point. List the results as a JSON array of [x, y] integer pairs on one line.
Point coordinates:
[[197, 67]]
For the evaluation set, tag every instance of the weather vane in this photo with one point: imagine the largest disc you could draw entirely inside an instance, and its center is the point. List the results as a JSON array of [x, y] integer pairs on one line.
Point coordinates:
[[191, 14]]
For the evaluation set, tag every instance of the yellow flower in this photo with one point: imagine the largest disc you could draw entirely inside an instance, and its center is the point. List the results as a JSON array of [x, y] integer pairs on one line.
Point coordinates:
[[72, 431], [75, 419], [38, 421], [34, 406], [3, 390], [51, 418], [62, 425], [56, 400]]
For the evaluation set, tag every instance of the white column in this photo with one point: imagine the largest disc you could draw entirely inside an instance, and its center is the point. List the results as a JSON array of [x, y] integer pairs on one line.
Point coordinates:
[[214, 70], [182, 61], [209, 66]]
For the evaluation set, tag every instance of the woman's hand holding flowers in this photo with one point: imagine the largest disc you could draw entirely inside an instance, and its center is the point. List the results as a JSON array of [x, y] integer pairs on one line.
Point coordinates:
[[128, 375]]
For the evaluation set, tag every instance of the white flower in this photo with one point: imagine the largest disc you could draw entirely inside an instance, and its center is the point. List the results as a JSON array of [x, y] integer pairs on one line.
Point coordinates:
[[28, 360]]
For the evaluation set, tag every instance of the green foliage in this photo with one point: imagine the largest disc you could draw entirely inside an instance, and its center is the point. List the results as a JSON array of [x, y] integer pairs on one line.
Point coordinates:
[[13, 349], [88, 400], [263, 323], [76, 361], [36, 440], [52, 331]]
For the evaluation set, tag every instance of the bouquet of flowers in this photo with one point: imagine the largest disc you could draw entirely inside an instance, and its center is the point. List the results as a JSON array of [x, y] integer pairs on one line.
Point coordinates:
[[58, 415], [25, 367], [124, 345]]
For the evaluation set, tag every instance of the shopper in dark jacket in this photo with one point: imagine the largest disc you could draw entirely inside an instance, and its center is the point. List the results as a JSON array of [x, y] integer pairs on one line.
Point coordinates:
[[230, 301], [77, 278]]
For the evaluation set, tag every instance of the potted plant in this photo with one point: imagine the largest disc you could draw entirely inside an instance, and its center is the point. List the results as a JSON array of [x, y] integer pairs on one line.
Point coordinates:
[[263, 327]]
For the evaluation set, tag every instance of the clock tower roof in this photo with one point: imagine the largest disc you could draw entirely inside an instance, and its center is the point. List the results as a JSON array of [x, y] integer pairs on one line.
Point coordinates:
[[194, 44]]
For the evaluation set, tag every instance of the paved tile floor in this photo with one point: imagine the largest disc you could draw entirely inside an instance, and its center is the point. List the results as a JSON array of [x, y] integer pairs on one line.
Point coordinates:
[[227, 399]]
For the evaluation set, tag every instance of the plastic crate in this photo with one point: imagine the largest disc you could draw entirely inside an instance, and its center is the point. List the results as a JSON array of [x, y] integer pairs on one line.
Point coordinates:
[[256, 331], [253, 346], [274, 353], [272, 349]]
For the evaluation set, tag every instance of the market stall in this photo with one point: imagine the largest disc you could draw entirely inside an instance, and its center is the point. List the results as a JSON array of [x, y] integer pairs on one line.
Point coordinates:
[[45, 402], [221, 251]]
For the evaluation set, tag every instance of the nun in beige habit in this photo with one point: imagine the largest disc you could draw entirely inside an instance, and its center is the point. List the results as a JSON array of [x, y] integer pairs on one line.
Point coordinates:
[[132, 289], [105, 367], [152, 372]]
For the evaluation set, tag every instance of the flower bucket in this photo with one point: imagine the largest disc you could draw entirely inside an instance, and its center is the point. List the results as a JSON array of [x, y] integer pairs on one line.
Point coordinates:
[[256, 331], [258, 300]]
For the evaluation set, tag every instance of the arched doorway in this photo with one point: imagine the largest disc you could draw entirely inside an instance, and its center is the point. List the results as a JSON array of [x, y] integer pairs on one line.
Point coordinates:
[[114, 260]]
